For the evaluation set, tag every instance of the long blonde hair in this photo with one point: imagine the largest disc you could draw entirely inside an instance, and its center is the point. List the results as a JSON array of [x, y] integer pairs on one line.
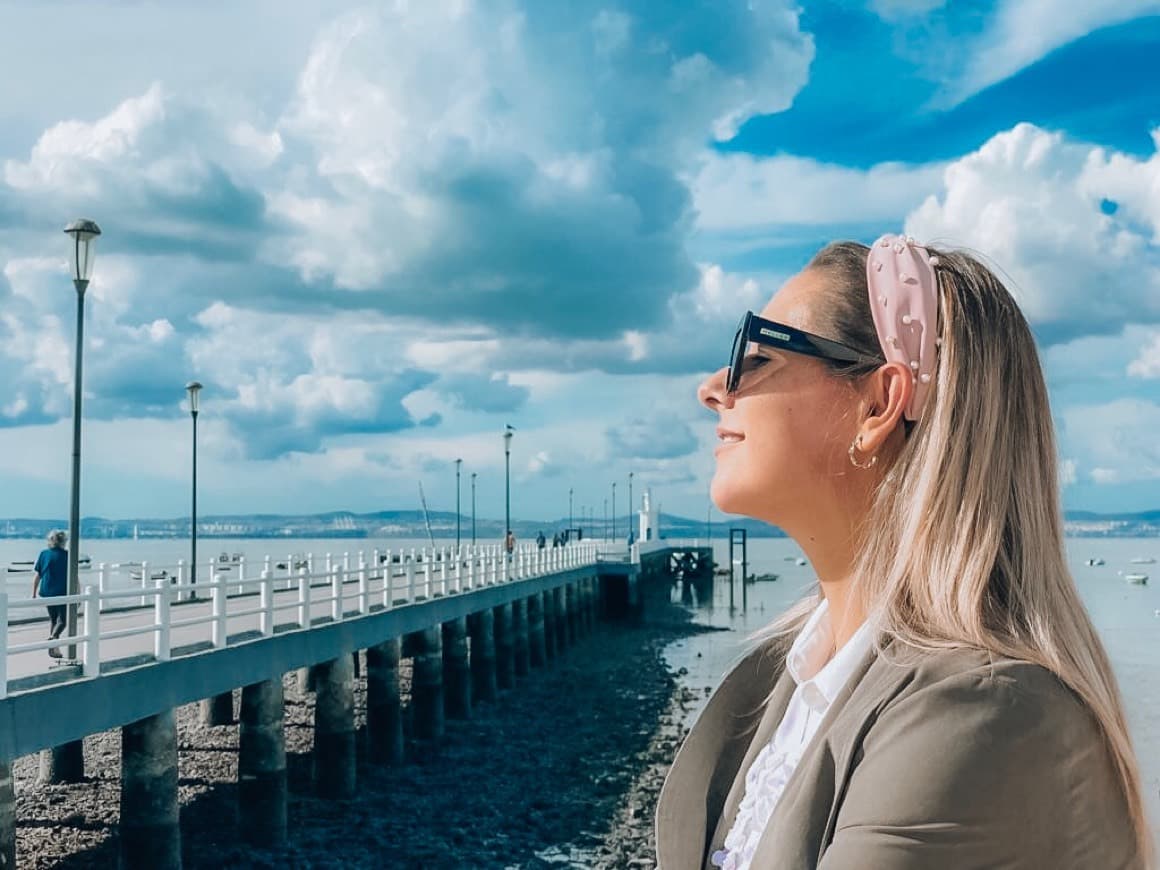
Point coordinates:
[[963, 543]]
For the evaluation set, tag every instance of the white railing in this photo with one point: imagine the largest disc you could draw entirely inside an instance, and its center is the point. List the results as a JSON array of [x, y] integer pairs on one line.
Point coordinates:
[[251, 606]]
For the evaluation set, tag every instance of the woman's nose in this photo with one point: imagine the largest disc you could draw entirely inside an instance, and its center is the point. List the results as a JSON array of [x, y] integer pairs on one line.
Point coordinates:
[[712, 392]]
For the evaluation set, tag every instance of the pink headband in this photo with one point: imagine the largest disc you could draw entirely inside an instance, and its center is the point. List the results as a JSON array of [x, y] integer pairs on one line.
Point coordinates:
[[904, 302]]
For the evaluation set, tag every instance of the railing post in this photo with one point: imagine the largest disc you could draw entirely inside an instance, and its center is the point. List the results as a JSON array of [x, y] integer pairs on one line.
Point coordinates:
[[241, 575], [388, 582], [427, 579], [161, 620], [364, 602], [219, 610], [336, 578], [303, 598], [91, 653], [471, 572], [266, 617], [144, 581], [443, 573], [101, 582], [411, 581], [3, 644]]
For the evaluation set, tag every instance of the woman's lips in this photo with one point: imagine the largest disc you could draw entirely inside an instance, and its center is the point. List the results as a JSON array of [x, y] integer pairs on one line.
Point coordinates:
[[727, 438]]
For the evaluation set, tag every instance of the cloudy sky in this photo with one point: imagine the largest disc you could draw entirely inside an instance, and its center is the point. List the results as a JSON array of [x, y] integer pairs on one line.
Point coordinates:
[[378, 233]]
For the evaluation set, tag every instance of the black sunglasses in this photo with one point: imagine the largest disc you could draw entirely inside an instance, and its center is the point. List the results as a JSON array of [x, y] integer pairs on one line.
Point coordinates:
[[777, 335]]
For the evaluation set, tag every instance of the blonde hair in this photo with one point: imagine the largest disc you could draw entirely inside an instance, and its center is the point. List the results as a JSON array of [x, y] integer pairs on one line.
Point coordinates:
[[963, 543]]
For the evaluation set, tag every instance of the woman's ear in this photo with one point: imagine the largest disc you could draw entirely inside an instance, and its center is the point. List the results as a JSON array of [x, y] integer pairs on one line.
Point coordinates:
[[888, 392]]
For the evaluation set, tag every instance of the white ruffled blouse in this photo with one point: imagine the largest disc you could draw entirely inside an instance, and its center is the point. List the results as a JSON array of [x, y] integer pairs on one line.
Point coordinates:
[[820, 674]]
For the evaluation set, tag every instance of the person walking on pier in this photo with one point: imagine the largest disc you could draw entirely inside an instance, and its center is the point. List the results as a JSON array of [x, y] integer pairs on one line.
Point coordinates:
[[509, 543], [942, 698], [50, 579]]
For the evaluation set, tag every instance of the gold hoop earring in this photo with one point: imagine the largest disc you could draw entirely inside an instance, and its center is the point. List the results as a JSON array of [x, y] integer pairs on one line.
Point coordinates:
[[857, 442]]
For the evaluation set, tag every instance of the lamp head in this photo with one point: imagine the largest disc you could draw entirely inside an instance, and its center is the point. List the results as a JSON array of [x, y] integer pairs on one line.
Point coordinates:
[[194, 389], [84, 235]]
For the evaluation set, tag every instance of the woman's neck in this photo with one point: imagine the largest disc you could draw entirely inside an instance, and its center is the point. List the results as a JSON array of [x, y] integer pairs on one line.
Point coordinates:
[[831, 553]]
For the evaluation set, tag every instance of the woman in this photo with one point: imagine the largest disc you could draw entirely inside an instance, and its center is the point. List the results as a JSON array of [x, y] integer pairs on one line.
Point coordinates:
[[943, 701], [50, 579]]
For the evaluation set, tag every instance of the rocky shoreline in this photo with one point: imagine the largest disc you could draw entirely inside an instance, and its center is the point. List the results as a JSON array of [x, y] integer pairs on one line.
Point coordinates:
[[561, 772]]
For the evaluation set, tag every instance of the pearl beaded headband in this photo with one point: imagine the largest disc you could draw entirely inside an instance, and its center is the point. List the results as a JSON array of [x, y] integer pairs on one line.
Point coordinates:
[[904, 303]]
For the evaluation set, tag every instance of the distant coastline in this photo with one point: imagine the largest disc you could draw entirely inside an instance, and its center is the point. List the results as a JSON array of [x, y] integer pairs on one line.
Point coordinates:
[[411, 524]]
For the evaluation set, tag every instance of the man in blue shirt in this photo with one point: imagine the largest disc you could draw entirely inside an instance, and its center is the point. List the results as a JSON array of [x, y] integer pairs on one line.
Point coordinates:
[[50, 579]]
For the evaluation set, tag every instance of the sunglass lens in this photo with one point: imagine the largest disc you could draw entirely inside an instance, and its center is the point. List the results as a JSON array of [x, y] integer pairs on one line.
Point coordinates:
[[737, 356]]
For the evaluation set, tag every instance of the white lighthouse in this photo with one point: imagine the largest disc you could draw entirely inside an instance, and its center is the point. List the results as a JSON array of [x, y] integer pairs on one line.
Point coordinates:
[[649, 519]]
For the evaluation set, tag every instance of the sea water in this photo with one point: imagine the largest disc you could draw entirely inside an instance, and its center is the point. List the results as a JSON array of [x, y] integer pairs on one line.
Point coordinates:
[[1127, 617]]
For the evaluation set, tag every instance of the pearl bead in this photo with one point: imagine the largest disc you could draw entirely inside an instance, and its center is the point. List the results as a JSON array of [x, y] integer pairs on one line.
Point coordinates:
[[933, 261], [906, 318], [914, 364], [924, 377]]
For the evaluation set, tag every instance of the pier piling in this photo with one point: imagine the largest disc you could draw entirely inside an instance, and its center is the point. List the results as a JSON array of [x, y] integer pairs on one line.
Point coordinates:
[[574, 627], [7, 818], [537, 654], [262, 764], [64, 763], [218, 710], [335, 757], [505, 665], [150, 833], [520, 652], [563, 637], [481, 627], [456, 670], [384, 706], [427, 684], [551, 642]]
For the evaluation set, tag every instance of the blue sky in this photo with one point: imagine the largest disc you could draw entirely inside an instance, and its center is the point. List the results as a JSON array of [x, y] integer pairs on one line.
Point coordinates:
[[379, 232]]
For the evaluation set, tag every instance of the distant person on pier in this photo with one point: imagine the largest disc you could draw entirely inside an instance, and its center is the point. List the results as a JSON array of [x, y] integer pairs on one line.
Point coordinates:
[[509, 542], [941, 699], [541, 541], [49, 580]]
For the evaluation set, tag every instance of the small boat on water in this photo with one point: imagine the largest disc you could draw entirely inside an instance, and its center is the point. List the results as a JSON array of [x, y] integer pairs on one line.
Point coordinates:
[[762, 578], [153, 575], [1137, 579], [1142, 560], [1096, 561], [800, 561]]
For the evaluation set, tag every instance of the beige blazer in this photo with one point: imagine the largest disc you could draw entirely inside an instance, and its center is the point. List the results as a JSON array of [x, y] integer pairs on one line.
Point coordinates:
[[925, 761]]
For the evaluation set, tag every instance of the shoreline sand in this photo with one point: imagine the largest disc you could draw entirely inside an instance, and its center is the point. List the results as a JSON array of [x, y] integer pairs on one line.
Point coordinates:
[[561, 772]]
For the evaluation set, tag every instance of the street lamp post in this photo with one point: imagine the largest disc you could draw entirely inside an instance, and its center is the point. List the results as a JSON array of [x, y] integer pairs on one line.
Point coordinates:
[[605, 529], [507, 479], [458, 465], [631, 509], [194, 389], [614, 510], [473, 508], [83, 251]]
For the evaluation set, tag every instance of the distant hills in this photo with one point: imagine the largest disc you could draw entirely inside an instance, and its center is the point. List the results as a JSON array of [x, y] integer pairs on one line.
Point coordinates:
[[411, 524]]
